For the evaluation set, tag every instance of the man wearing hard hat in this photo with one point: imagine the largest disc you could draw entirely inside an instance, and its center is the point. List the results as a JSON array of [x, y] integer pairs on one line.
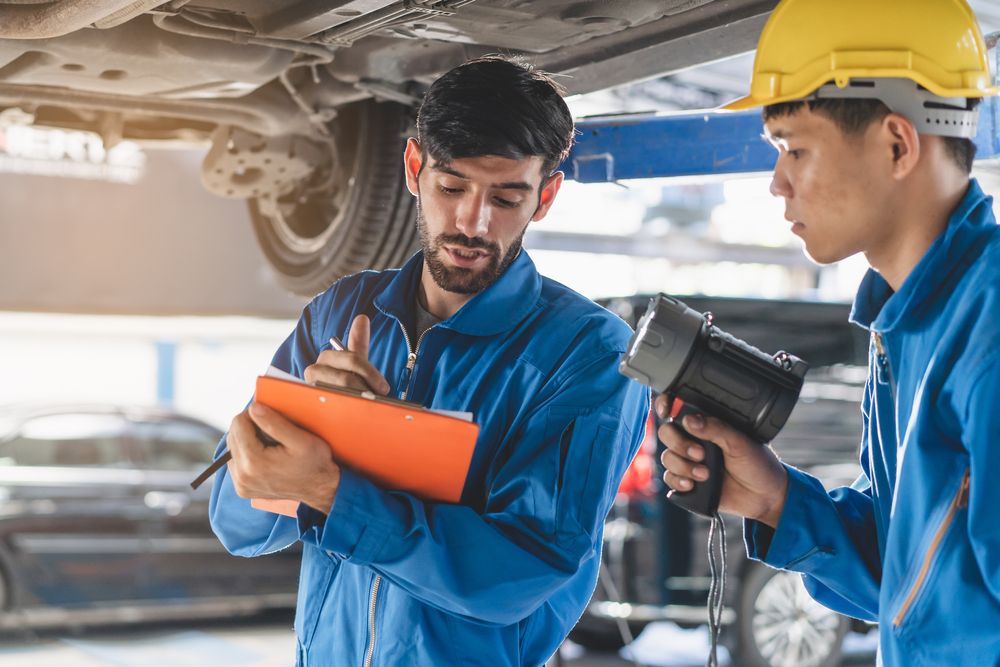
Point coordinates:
[[871, 105]]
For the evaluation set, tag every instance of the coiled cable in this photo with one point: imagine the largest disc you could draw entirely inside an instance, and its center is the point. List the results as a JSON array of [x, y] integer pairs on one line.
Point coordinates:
[[717, 590]]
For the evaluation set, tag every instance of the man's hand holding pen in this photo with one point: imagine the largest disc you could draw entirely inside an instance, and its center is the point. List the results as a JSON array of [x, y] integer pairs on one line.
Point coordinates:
[[301, 468], [348, 367]]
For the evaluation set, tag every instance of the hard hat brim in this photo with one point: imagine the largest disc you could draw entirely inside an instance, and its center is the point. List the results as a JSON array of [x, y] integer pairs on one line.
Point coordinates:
[[750, 102], [743, 104]]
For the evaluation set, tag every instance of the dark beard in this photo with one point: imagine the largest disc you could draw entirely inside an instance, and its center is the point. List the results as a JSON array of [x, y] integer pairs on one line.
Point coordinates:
[[457, 279]]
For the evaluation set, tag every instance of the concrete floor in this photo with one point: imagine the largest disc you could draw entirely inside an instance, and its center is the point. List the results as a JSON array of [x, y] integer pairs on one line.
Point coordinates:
[[261, 641]]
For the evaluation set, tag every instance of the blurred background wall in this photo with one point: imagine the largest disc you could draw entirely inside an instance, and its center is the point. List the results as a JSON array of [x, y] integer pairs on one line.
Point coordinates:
[[161, 245]]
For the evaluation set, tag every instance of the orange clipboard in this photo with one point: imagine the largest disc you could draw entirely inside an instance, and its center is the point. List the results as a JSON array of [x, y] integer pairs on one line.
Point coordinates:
[[395, 445]]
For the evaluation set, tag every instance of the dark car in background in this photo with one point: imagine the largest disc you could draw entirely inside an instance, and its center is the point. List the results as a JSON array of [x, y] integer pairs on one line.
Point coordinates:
[[655, 553], [99, 524]]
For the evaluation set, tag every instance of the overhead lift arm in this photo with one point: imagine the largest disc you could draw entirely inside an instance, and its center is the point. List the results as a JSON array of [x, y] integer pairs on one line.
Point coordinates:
[[614, 148]]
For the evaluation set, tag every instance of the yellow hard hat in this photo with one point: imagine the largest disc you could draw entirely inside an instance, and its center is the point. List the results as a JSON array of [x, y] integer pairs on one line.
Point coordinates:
[[807, 43]]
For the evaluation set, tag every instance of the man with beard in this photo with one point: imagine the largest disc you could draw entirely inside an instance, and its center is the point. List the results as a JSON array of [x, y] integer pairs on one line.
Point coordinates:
[[469, 325]]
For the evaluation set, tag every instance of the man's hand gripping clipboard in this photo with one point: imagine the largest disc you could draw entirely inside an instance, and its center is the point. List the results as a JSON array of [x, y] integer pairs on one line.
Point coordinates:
[[397, 445]]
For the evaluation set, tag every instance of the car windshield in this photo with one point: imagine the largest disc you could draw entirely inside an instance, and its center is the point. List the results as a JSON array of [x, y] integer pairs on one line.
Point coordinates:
[[175, 445], [72, 439]]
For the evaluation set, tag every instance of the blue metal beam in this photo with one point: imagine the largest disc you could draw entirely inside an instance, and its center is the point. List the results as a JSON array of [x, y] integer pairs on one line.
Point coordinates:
[[615, 148], [987, 140], [166, 362], [648, 146]]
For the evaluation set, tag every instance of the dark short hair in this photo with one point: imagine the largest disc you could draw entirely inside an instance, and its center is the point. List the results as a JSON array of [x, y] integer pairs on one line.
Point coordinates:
[[493, 106], [854, 116]]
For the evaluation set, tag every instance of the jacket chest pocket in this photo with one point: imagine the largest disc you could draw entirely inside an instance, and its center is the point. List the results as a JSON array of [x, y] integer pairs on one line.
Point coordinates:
[[930, 565]]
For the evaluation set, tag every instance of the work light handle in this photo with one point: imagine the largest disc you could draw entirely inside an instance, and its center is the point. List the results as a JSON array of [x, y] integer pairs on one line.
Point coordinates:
[[703, 498]]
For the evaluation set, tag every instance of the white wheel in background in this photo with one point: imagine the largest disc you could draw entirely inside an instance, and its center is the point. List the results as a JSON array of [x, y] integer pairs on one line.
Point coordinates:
[[780, 625]]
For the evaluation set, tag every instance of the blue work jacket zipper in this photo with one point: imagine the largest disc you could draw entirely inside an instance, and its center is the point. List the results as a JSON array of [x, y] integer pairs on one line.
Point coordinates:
[[411, 361], [371, 621]]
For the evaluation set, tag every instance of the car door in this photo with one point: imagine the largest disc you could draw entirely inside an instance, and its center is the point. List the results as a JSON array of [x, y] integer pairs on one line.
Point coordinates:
[[72, 515], [187, 561]]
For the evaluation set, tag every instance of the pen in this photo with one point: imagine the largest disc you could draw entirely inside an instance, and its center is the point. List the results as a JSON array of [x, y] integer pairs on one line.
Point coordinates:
[[265, 440], [336, 344]]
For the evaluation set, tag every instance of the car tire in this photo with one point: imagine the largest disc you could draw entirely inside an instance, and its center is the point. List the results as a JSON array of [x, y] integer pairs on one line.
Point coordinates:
[[779, 625], [365, 219]]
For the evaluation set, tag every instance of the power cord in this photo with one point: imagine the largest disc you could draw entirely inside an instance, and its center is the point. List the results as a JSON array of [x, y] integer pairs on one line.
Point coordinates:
[[716, 592]]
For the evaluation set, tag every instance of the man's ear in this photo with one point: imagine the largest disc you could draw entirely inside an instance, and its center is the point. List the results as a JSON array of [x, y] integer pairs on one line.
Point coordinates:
[[412, 161], [550, 188], [903, 141]]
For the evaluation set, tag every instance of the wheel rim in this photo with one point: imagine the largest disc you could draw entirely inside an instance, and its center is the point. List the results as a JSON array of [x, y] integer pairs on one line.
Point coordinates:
[[347, 138], [305, 245], [362, 218], [791, 629]]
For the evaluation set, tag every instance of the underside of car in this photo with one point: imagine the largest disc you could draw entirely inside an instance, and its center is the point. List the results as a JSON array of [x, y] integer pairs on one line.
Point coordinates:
[[307, 105]]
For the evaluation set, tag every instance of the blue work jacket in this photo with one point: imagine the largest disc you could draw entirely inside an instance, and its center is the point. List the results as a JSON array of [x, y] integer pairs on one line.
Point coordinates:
[[915, 542], [501, 577]]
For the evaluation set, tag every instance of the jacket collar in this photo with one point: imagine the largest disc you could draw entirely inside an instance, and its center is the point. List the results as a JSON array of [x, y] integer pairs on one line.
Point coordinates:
[[496, 309], [878, 308]]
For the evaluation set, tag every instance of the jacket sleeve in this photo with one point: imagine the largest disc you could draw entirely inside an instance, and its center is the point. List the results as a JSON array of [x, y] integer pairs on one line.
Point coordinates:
[[243, 530], [829, 537], [543, 515], [980, 434]]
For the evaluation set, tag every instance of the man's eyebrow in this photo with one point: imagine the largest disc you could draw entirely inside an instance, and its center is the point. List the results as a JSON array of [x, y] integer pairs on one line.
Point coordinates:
[[779, 134], [514, 185], [510, 185], [444, 168]]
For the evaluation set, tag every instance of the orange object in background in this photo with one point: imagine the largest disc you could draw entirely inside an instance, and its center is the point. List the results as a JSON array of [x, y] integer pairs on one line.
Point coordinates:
[[395, 446], [638, 479]]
